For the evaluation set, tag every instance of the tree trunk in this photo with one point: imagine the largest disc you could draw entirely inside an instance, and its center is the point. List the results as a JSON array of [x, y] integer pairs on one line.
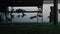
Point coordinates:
[[55, 11]]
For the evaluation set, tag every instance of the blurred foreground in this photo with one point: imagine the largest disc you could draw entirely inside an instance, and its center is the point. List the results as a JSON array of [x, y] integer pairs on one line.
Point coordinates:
[[29, 28]]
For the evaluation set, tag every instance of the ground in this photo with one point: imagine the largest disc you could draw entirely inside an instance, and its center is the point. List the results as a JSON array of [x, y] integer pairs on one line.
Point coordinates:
[[30, 28]]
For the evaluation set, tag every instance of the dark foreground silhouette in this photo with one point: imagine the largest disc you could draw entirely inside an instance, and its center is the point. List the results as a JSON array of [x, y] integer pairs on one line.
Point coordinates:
[[29, 28]]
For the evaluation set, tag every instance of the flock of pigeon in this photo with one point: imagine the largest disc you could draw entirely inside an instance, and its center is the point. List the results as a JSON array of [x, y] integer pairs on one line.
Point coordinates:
[[21, 10]]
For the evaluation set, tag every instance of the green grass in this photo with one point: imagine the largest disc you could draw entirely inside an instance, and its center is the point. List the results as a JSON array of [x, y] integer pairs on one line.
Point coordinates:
[[32, 28]]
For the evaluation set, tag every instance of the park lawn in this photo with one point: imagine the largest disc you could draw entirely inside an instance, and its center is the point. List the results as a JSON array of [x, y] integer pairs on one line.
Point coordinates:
[[32, 28]]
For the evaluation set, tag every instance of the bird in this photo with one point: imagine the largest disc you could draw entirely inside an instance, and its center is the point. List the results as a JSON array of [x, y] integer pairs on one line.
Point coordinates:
[[40, 15], [23, 15], [18, 15], [12, 16], [33, 17], [21, 10], [9, 19]]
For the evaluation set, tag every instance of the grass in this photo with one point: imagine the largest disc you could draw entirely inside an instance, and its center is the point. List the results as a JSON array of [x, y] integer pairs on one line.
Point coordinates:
[[30, 28]]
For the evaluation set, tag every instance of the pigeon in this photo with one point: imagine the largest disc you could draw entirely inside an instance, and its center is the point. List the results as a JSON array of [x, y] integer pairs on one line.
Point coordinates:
[[18, 15], [23, 15]]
